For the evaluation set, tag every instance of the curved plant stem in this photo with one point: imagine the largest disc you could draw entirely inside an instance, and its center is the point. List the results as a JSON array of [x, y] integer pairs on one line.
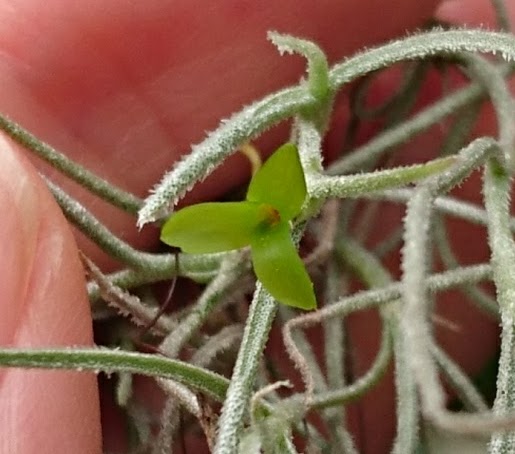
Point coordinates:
[[401, 133], [104, 360], [318, 76], [446, 205], [200, 268], [497, 202], [224, 340], [107, 191], [469, 395], [159, 266], [261, 315], [414, 324], [422, 46], [503, 103], [479, 297], [313, 100], [324, 187], [220, 144], [363, 384], [372, 272], [230, 270]]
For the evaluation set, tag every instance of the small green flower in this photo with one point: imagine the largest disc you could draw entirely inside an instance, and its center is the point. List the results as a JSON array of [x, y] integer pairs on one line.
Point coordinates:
[[275, 196]]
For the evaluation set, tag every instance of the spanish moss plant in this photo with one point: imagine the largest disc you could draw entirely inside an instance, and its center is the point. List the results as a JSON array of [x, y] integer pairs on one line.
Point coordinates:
[[292, 252]]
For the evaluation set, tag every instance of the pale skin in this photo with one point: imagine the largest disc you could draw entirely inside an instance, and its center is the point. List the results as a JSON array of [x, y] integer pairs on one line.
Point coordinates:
[[125, 87]]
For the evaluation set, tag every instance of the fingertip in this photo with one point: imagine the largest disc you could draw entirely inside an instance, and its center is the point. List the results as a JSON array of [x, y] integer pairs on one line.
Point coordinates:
[[42, 304]]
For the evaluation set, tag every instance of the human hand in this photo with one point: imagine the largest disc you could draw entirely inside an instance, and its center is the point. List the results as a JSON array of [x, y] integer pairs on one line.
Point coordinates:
[[124, 88]]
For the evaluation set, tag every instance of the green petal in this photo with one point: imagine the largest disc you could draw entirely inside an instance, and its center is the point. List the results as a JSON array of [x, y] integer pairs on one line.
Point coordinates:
[[212, 227], [279, 268], [280, 182]]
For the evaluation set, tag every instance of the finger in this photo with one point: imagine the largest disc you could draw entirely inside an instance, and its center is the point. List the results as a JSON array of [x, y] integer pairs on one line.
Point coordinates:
[[42, 304], [125, 87], [475, 13]]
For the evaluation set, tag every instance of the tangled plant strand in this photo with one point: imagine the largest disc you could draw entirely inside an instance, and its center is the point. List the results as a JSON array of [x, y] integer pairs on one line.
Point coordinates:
[[258, 421]]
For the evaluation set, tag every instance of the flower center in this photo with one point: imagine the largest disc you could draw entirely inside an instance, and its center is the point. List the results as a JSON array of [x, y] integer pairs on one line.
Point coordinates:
[[268, 215]]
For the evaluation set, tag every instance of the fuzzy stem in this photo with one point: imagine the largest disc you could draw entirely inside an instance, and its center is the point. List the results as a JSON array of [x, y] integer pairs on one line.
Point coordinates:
[[200, 268], [479, 297], [460, 209], [423, 45], [372, 272], [502, 101], [324, 187], [261, 315], [414, 323], [107, 191], [230, 270], [160, 266], [362, 384], [318, 77], [465, 389], [220, 144], [497, 202], [96, 360], [400, 134]]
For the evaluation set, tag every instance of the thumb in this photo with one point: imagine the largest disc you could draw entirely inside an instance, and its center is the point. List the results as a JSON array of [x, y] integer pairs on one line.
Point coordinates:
[[42, 303]]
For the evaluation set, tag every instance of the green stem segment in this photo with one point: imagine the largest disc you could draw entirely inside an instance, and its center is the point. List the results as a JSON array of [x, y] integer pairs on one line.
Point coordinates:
[[261, 315], [497, 203], [100, 360], [107, 191]]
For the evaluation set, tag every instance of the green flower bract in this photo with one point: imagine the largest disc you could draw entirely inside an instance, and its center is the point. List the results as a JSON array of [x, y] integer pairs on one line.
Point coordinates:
[[275, 196]]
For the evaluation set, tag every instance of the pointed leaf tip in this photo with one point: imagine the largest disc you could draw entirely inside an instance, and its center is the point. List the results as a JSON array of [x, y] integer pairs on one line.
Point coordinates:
[[280, 182], [279, 268]]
